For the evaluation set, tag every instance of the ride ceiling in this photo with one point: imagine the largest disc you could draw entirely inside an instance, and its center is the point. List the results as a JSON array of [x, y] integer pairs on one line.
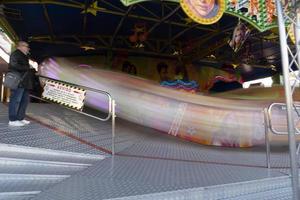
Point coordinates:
[[108, 27]]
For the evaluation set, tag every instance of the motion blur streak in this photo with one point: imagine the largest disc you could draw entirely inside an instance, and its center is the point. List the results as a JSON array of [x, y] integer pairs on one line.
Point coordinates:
[[202, 119]]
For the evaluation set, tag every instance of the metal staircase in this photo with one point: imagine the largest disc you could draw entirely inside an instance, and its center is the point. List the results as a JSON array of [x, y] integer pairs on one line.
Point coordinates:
[[267, 189], [26, 171]]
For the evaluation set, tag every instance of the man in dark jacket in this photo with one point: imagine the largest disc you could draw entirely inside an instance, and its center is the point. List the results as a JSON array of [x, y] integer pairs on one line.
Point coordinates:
[[19, 97]]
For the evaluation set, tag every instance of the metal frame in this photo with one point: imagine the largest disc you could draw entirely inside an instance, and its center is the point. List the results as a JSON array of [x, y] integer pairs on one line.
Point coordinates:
[[115, 11], [269, 111], [268, 126], [117, 42], [114, 40], [107, 11], [283, 19], [267, 141], [105, 43], [46, 14]]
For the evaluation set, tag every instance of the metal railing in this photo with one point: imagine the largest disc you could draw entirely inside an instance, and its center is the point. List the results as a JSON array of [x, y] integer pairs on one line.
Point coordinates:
[[283, 106], [111, 106], [2, 87], [269, 126], [290, 57], [267, 141]]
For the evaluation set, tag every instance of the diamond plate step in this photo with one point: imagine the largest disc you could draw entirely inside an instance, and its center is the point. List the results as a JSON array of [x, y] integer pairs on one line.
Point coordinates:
[[33, 153], [28, 170], [248, 187], [278, 194], [27, 182], [18, 195], [26, 166], [232, 191]]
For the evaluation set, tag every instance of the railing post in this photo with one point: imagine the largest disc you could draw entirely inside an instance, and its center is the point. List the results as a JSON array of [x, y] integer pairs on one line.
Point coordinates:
[[289, 101], [267, 142], [113, 123], [2, 87]]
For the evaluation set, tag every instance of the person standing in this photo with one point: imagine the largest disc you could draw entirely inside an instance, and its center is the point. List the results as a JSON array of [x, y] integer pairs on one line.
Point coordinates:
[[19, 98]]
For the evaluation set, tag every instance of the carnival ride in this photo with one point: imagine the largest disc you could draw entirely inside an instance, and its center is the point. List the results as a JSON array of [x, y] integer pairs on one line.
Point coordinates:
[[198, 118], [139, 29]]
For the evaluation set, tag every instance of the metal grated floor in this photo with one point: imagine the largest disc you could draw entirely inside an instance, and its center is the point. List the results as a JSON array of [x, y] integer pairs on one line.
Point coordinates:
[[147, 162]]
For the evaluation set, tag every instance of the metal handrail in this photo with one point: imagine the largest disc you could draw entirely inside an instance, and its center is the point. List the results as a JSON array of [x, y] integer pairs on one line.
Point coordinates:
[[2, 87], [86, 88], [270, 121], [268, 125], [267, 141], [111, 109]]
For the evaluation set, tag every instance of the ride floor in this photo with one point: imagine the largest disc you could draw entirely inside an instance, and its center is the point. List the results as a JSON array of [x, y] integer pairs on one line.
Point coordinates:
[[148, 164]]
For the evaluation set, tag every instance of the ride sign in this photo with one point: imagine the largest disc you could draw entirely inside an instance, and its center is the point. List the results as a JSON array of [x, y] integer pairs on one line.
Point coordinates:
[[66, 95]]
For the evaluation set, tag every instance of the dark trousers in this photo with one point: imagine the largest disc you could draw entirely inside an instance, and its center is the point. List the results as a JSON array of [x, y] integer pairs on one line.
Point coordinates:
[[18, 103]]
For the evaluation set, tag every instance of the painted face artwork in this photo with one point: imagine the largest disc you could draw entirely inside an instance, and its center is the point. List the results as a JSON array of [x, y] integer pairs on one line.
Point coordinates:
[[204, 11], [203, 7], [239, 36]]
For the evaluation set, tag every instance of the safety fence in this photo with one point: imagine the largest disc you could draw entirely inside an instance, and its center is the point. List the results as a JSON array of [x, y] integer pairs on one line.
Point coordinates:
[[276, 122], [72, 97]]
